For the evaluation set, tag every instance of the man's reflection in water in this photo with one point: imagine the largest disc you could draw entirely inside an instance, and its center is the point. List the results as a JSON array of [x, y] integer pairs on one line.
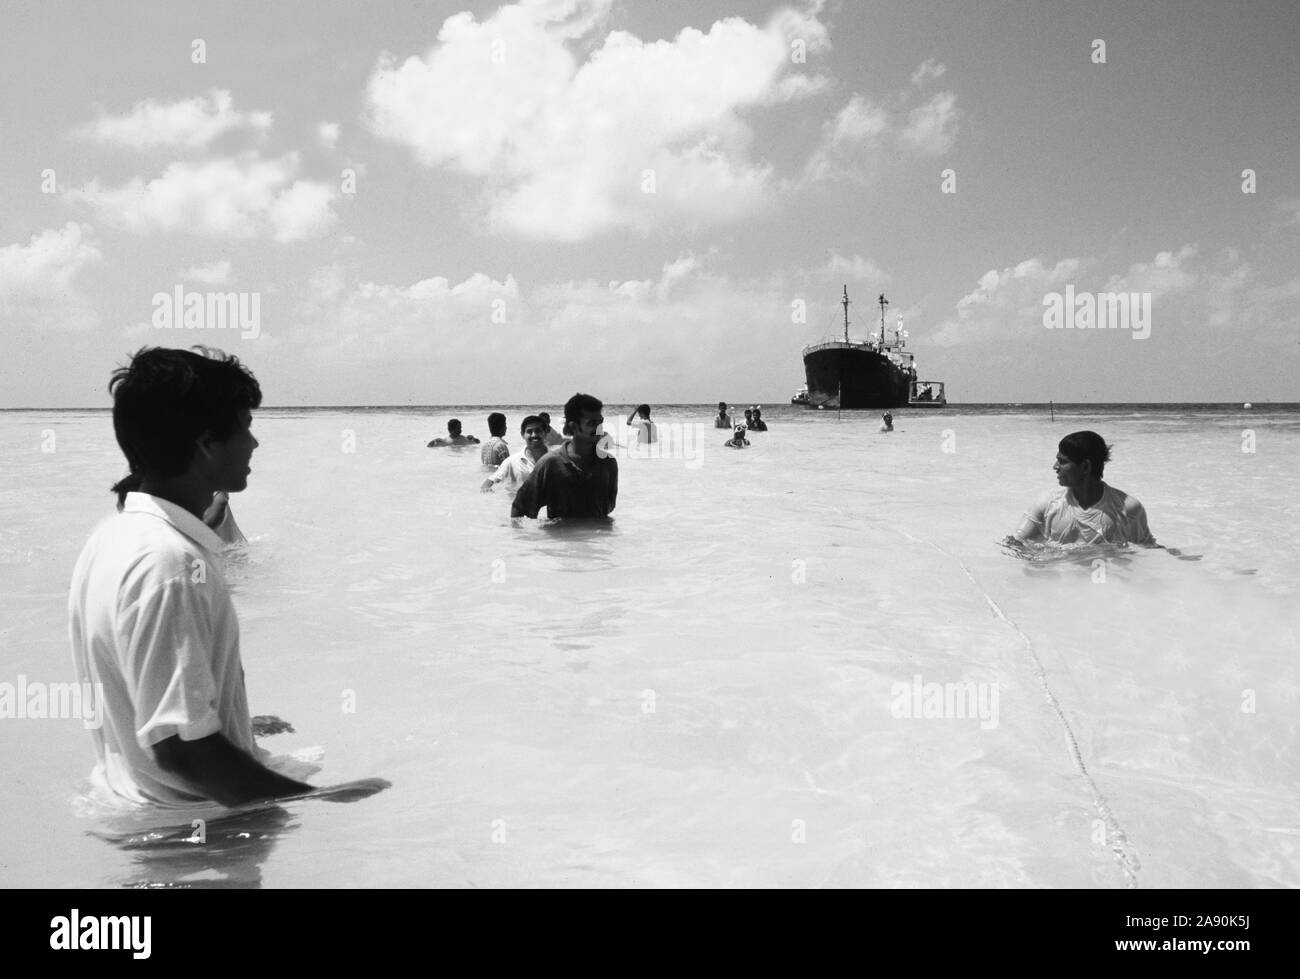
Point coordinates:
[[225, 852]]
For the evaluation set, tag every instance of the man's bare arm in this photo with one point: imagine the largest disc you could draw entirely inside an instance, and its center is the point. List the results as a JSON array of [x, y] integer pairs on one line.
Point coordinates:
[[220, 771]]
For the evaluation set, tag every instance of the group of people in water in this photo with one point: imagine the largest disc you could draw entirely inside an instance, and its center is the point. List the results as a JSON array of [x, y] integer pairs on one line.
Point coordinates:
[[753, 423], [151, 619]]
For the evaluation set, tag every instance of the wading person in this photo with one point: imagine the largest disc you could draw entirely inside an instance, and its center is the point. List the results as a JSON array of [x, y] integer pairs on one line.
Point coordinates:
[[150, 616], [454, 437], [723, 420], [644, 429], [572, 481], [517, 468], [495, 450], [549, 435], [1084, 509]]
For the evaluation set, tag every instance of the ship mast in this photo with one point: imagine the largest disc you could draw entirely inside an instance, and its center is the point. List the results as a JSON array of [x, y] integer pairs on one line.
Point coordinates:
[[845, 301], [883, 303]]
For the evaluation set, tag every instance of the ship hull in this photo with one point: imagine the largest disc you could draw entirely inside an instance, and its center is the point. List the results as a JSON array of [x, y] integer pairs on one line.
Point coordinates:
[[851, 377]]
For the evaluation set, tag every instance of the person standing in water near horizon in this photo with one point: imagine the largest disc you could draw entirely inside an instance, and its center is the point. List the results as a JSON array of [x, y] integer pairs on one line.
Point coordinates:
[[1084, 509], [574, 480], [454, 437], [757, 424], [221, 519], [549, 435], [646, 431], [723, 420], [150, 617], [516, 469], [495, 450]]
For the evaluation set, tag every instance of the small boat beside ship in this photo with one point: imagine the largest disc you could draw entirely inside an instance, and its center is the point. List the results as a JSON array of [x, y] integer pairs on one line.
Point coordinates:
[[873, 373]]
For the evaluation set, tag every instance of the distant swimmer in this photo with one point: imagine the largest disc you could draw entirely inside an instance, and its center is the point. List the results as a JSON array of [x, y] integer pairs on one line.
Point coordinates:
[[757, 425], [517, 468], [737, 440], [1084, 509], [550, 436], [749, 418], [495, 450], [639, 421], [723, 420], [221, 519], [886, 422], [453, 437], [572, 481], [151, 621]]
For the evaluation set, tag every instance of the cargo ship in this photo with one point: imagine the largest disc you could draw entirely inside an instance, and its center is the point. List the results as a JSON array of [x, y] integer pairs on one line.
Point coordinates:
[[873, 373]]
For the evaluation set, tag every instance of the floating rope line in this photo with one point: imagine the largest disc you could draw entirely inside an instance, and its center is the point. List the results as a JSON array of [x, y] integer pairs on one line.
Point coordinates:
[[1115, 836]]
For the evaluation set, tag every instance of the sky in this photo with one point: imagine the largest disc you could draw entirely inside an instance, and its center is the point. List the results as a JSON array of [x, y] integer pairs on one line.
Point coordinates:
[[452, 203]]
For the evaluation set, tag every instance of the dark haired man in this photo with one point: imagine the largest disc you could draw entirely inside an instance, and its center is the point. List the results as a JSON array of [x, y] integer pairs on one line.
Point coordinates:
[[723, 420], [757, 424], [1084, 509], [549, 435], [453, 437], [150, 616], [495, 450], [517, 468], [574, 480], [643, 429]]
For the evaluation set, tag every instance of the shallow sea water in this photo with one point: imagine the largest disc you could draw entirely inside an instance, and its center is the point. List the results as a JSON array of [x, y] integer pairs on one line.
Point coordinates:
[[708, 691]]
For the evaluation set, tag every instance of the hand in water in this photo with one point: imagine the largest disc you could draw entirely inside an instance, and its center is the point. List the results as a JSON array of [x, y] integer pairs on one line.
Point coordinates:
[[264, 725], [352, 791]]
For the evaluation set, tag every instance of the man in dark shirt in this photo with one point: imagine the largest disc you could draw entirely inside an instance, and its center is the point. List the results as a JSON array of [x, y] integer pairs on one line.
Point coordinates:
[[573, 480]]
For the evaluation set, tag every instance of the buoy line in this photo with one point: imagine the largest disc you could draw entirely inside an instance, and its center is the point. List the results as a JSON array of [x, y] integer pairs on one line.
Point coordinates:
[[1115, 835]]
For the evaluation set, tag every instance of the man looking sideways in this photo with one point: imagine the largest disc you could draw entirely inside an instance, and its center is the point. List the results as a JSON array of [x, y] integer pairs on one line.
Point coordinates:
[[574, 480]]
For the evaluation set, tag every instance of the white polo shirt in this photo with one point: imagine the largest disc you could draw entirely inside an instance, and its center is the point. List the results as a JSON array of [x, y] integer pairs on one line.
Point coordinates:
[[150, 618], [514, 470]]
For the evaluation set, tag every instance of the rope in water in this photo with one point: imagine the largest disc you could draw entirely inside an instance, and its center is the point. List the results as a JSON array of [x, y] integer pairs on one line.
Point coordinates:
[[1115, 836]]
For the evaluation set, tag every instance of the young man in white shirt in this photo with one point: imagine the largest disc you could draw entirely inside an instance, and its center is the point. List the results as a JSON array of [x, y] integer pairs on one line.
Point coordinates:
[[150, 615], [1084, 509], [514, 470]]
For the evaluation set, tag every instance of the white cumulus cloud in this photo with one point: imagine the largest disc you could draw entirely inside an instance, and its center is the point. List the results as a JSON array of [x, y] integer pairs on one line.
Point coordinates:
[[240, 197], [638, 135], [37, 289], [186, 124]]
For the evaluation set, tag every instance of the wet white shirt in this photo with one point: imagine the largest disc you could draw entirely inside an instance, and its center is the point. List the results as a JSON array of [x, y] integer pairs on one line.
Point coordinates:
[[1116, 518], [152, 623], [514, 470]]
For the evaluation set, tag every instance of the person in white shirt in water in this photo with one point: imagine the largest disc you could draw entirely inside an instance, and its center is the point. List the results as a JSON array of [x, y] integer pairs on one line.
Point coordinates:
[[151, 620], [723, 420], [1084, 509], [646, 430], [514, 470]]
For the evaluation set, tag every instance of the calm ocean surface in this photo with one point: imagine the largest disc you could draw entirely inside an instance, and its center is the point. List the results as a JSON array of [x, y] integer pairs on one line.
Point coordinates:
[[713, 690]]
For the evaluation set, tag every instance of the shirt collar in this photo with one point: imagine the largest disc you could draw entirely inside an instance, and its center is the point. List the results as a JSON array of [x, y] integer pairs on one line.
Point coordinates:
[[184, 521]]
